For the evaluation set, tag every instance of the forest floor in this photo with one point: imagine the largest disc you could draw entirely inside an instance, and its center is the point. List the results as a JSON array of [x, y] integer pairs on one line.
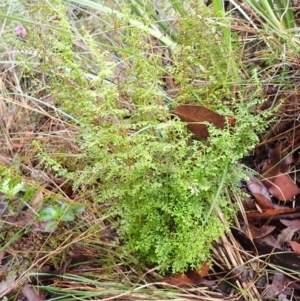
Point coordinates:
[[55, 246]]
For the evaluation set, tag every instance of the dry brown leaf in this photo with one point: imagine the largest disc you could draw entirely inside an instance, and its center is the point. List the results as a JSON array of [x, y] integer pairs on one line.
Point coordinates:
[[291, 223], [194, 277], [198, 280], [260, 193], [197, 113], [269, 240], [8, 118], [263, 231], [16, 146], [28, 220], [2, 253], [5, 160], [271, 168], [249, 204], [283, 188], [263, 202], [22, 220], [31, 294], [3, 207], [279, 284], [266, 105], [288, 160], [256, 186], [279, 207], [269, 213], [179, 280], [204, 269], [7, 284], [295, 247], [37, 203], [41, 227], [286, 234], [279, 184]]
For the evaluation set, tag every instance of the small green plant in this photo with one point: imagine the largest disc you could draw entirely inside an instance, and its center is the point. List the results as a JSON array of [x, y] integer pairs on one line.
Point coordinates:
[[11, 188], [55, 214]]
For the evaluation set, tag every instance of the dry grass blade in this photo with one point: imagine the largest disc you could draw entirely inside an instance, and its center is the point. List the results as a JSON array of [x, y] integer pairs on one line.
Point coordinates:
[[236, 264]]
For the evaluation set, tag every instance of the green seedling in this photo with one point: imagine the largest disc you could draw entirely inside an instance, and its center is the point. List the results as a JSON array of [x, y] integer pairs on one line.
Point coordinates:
[[11, 189], [65, 213]]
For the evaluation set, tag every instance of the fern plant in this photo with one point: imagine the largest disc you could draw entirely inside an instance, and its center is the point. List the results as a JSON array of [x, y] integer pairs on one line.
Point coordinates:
[[163, 185]]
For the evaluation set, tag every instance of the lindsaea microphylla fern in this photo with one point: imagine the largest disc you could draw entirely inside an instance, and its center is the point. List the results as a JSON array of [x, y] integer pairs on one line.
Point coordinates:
[[161, 184]]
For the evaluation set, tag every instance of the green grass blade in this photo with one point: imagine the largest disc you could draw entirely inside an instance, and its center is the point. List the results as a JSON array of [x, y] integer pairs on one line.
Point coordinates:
[[177, 6], [141, 10], [232, 65], [104, 9]]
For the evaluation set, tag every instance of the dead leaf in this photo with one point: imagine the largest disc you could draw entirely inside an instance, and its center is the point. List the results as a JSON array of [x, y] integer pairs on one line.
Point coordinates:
[[266, 105], [7, 284], [279, 184], [22, 220], [279, 207], [295, 247], [263, 231], [288, 260], [283, 188], [249, 204], [41, 227], [260, 193], [286, 234], [5, 160], [204, 269], [197, 113], [291, 223], [279, 284], [270, 214], [2, 253], [194, 277], [31, 294], [3, 272], [3, 207], [271, 168], [16, 146], [179, 280], [8, 118], [263, 202], [288, 160], [37, 203], [27, 220], [269, 240]]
